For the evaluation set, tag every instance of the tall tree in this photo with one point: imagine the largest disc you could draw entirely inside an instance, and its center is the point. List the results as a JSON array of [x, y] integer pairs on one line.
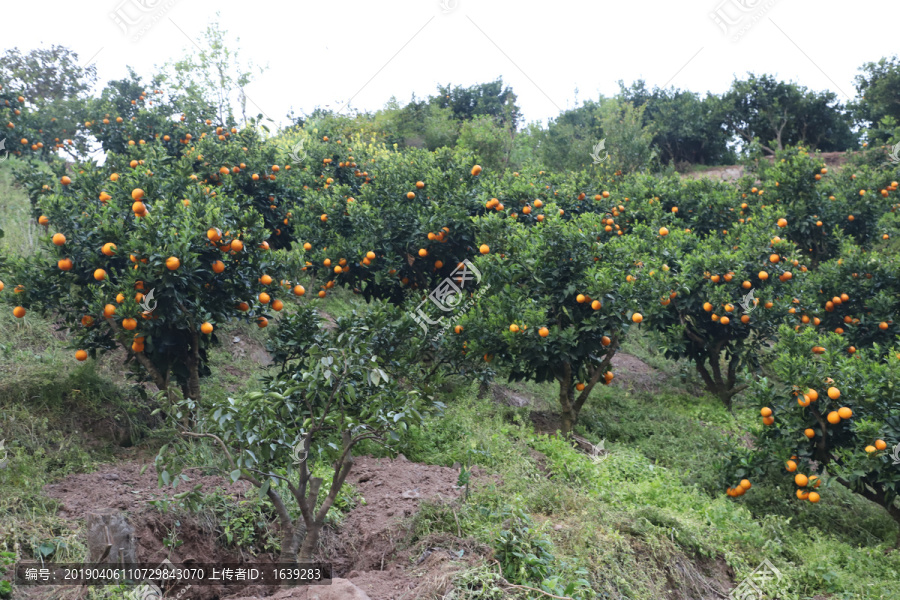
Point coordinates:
[[781, 113], [878, 104], [686, 128]]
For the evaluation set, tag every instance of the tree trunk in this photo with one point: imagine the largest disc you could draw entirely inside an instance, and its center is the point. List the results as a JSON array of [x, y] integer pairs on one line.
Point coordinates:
[[568, 410]]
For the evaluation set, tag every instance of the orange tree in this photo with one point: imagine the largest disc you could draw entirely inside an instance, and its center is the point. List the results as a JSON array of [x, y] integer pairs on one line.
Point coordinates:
[[857, 296], [150, 258], [830, 413], [559, 302], [819, 202], [332, 394], [42, 96], [699, 294], [406, 227]]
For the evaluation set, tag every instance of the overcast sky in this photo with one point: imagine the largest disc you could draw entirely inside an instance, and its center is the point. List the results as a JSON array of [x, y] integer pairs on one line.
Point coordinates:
[[327, 53]]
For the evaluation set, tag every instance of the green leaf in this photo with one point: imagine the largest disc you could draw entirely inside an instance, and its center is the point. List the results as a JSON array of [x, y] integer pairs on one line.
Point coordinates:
[[235, 475]]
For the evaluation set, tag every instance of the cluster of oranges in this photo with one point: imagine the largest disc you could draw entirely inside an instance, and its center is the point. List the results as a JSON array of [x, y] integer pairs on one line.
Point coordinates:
[[740, 489]]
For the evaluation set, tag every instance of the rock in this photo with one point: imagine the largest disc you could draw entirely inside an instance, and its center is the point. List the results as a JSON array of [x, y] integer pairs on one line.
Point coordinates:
[[110, 476], [109, 529], [236, 340]]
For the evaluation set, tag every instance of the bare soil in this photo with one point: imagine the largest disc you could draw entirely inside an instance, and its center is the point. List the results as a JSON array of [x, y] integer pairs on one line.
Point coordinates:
[[372, 548], [834, 160]]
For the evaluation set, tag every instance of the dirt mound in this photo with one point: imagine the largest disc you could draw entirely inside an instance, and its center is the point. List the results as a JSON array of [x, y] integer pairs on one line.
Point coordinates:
[[631, 372], [123, 487], [367, 548]]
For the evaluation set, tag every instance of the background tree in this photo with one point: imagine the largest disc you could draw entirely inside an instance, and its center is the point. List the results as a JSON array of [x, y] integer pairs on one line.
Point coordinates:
[[781, 113], [686, 128], [877, 105], [211, 76]]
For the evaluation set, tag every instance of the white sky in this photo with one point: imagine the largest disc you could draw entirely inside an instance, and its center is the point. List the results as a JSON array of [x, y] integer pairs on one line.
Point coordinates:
[[323, 53]]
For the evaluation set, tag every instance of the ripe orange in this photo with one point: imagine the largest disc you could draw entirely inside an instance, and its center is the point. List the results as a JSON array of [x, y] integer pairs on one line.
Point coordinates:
[[137, 194], [99, 274], [782, 222], [458, 329], [707, 307], [476, 170], [768, 420], [834, 393], [65, 264], [323, 218], [844, 412], [237, 245], [321, 293], [218, 266], [265, 280], [206, 328], [264, 298], [484, 249], [19, 312], [277, 305], [765, 411], [596, 305], [580, 298], [59, 239], [791, 466], [420, 184], [214, 234], [663, 231], [882, 325], [109, 310], [801, 480], [605, 341], [299, 290], [543, 332], [262, 322], [514, 328], [637, 317], [880, 444], [834, 418], [243, 306], [81, 355], [172, 263], [745, 483], [763, 275], [129, 324], [814, 497], [809, 433]]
